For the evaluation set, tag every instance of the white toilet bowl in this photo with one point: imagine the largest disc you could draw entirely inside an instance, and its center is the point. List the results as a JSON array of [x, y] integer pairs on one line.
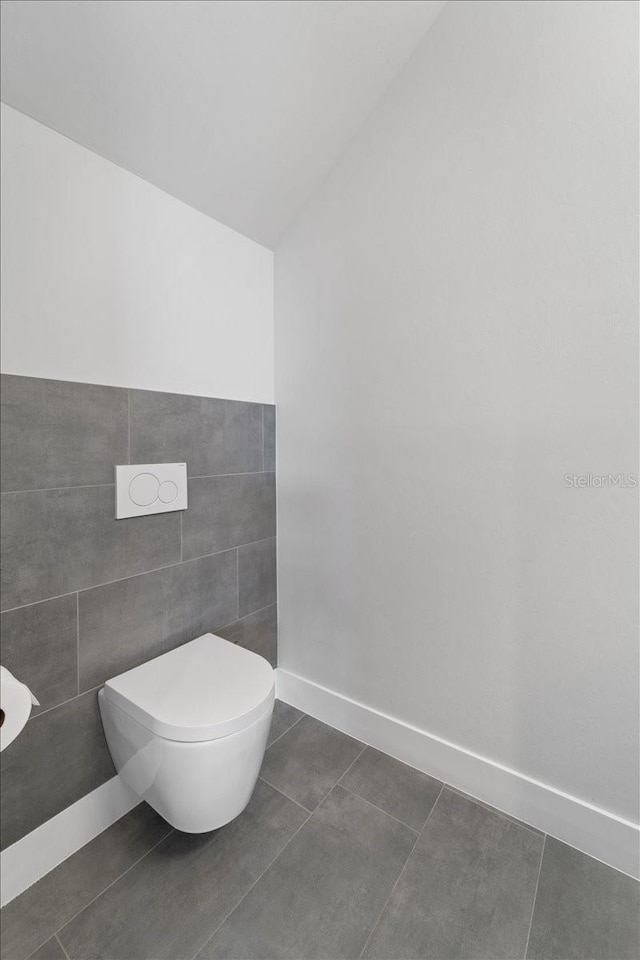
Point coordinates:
[[187, 730]]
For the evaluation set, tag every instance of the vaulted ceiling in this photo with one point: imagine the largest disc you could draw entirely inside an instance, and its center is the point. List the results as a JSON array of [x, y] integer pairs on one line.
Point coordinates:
[[237, 107]]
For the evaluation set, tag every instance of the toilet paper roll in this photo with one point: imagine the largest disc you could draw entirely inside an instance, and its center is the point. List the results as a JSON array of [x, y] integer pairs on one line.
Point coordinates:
[[16, 701]]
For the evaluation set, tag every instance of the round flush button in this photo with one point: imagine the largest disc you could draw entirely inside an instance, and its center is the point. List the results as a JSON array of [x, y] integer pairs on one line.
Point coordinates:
[[143, 489], [168, 491]]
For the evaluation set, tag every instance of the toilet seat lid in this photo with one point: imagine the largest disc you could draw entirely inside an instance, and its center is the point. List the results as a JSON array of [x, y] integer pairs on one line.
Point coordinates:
[[206, 689]]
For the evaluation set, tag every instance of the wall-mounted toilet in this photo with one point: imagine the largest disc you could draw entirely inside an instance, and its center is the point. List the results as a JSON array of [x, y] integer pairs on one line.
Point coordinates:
[[187, 730]]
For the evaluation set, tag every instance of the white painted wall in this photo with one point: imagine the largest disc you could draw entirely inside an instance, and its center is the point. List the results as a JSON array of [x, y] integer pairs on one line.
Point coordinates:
[[456, 321], [106, 279], [240, 109]]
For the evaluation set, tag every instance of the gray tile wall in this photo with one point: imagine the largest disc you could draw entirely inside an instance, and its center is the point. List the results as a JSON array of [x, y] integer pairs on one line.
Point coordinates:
[[84, 596]]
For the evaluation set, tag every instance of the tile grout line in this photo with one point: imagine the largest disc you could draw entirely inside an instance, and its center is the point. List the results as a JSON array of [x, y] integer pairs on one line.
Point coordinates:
[[535, 897], [341, 778], [311, 813], [33, 603], [109, 583], [280, 736], [257, 880], [631, 876], [246, 617], [181, 539], [216, 476], [81, 693], [111, 483], [77, 644], [375, 925], [236, 546], [487, 806], [62, 703], [57, 939], [379, 809], [57, 932], [324, 797], [140, 573], [237, 583], [337, 783], [76, 486], [286, 795], [262, 419]]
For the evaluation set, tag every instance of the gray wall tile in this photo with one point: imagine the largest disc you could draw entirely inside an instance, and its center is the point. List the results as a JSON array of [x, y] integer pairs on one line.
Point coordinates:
[[139, 593], [227, 512], [257, 632], [57, 434], [208, 590], [126, 623], [58, 541], [60, 756], [584, 909], [212, 436], [269, 428], [256, 576], [40, 647], [60, 895]]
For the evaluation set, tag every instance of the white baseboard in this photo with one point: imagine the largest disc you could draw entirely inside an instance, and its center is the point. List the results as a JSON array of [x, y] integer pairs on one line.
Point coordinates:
[[34, 855], [589, 828], [597, 832]]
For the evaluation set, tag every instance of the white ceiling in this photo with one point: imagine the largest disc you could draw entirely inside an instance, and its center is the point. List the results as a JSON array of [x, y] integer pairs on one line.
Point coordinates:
[[238, 107]]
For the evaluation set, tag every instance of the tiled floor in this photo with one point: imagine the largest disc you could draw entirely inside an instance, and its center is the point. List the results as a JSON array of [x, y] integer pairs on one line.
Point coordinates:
[[342, 852]]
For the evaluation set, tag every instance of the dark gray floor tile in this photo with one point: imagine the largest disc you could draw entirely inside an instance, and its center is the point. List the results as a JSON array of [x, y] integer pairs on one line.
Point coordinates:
[[257, 632], [226, 512], [51, 950], [323, 894], [488, 806], [212, 436], [59, 757], [40, 646], [57, 434], [284, 717], [467, 890], [269, 421], [308, 761], [168, 905], [58, 541], [45, 907], [154, 612], [584, 909], [256, 576], [397, 789]]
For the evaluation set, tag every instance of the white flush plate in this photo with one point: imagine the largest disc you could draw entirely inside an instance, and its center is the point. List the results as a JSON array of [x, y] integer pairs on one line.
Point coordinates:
[[145, 488]]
